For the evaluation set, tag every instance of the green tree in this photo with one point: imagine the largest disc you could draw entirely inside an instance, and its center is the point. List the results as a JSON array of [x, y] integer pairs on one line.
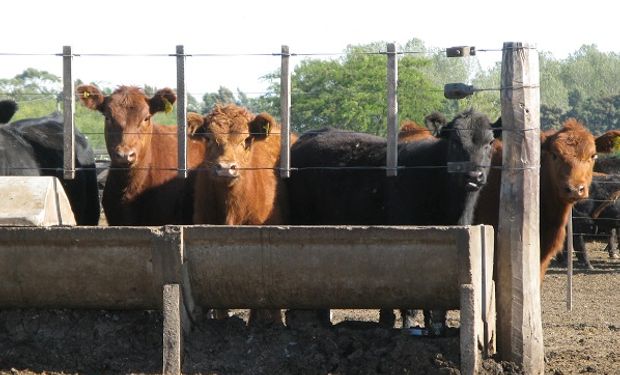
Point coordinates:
[[350, 92], [553, 90], [223, 96], [31, 84], [487, 99], [599, 114], [594, 74]]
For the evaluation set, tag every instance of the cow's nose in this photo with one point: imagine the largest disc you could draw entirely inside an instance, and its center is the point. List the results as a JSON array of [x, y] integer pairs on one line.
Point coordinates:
[[227, 169], [581, 190], [226, 165], [128, 157], [477, 176], [577, 192]]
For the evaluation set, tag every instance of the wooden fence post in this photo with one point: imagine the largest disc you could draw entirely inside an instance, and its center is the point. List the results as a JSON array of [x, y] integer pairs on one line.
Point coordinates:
[[392, 110], [285, 114], [519, 330], [68, 110], [181, 112]]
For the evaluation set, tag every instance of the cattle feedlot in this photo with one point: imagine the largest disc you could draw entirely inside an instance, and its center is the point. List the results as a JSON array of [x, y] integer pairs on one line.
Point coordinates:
[[197, 218], [585, 340]]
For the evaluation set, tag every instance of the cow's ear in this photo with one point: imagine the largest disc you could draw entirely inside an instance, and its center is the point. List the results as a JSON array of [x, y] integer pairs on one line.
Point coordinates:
[[162, 101], [434, 122], [195, 124], [7, 110], [262, 125], [497, 128], [90, 96]]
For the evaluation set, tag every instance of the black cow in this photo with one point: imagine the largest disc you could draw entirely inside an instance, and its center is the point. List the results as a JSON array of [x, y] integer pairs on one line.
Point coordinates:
[[597, 216], [34, 147], [338, 177], [608, 164]]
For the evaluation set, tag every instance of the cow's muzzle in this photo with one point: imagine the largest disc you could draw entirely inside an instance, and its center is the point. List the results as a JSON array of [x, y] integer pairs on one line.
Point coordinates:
[[474, 180], [227, 170]]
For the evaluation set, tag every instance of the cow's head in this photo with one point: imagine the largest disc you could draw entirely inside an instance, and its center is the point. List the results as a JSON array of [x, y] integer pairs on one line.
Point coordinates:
[[128, 126], [231, 132], [568, 157], [470, 147], [608, 142]]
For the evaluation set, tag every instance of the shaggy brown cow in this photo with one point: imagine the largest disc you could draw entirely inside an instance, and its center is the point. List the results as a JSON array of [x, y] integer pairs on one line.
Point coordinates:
[[238, 183], [567, 161], [143, 187], [608, 142]]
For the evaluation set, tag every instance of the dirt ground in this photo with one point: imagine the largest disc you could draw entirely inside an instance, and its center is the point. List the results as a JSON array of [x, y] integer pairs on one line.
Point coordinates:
[[585, 340]]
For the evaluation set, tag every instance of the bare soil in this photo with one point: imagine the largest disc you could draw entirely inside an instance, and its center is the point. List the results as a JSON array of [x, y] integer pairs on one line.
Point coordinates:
[[584, 340]]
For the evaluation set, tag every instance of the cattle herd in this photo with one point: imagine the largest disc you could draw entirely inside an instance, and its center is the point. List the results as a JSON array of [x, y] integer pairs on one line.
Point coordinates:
[[449, 173]]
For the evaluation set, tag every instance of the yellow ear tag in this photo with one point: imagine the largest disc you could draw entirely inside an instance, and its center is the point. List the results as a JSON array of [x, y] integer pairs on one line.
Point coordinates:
[[616, 144], [85, 94], [266, 127], [167, 106]]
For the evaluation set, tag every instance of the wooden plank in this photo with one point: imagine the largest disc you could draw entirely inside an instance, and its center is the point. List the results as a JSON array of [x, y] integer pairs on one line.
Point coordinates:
[[519, 331], [392, 110], [68, 110], [285, 114], [181, 112]]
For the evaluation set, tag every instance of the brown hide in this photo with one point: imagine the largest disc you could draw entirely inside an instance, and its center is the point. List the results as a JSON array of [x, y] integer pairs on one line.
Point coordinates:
[[567, 161], [608, 142], [238, 183], [143, 187], [411, 131]]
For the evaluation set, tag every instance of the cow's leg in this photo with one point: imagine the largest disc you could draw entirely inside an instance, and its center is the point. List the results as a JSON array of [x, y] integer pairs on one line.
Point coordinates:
[[580, 249], [435, 322], [562, 256], [217, 314], [387, 318], [612, 244], [302, 318], [265, 317]]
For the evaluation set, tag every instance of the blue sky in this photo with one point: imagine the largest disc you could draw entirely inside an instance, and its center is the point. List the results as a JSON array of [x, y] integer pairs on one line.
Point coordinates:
[[238, 27]]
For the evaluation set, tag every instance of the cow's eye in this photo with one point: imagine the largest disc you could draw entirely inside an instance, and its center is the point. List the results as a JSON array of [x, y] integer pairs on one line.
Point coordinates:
[[594, 157], [147, 118]]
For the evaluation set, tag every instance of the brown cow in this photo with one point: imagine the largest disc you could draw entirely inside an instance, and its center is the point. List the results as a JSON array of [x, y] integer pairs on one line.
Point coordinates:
[[410, 131], [567, 161], [143, 187], [238, 183], [608, 142]]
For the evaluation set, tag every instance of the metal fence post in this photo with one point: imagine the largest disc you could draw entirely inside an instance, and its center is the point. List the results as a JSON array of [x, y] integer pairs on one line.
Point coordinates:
[[285, 114], [181, 112], [392, 114], [68, 110]]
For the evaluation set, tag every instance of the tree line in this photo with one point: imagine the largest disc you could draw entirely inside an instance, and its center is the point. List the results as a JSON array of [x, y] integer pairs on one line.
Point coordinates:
[[350, 92]]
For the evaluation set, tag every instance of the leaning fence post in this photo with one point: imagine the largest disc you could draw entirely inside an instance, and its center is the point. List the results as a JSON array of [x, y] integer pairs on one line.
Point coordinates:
[[68, 110], [285, 114], [392, 107], [181, 112], [519, 321]]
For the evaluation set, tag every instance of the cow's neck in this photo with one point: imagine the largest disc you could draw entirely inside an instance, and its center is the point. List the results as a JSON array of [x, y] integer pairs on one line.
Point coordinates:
[[469, 205], [133, 181], [553, 219], [233, 210]]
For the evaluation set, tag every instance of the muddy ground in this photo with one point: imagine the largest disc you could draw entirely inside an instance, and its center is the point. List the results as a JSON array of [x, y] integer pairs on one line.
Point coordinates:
[[585, 340]]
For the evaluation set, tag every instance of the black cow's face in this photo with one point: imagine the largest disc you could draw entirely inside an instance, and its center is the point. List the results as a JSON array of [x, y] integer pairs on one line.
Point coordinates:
[[470, 149]]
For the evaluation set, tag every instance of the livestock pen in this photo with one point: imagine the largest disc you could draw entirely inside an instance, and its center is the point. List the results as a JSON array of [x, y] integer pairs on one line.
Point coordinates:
[[176, 268]]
